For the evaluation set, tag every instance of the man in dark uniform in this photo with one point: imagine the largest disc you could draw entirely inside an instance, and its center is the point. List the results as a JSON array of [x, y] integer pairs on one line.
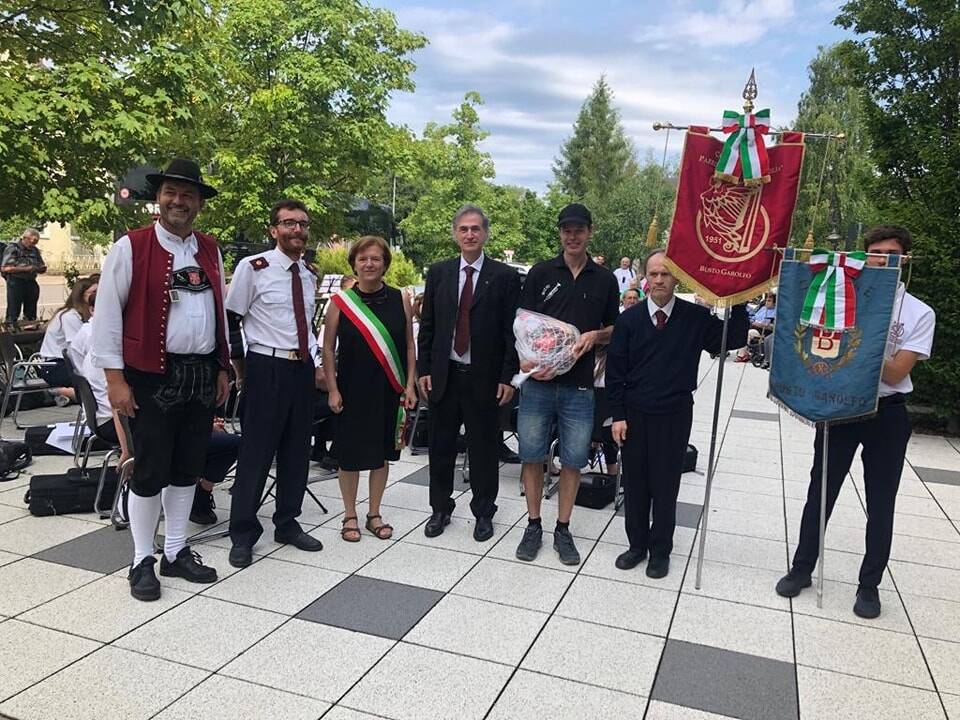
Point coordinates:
[[273, 296], [21, 264], [162, 342], [652, 366], [466, 360]]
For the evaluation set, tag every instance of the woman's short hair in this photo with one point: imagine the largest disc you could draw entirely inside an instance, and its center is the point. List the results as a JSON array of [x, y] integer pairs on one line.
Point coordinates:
[[366, 242]]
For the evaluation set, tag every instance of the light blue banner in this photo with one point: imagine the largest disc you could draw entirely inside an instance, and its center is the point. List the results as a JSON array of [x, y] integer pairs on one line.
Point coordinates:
[[824, 376]]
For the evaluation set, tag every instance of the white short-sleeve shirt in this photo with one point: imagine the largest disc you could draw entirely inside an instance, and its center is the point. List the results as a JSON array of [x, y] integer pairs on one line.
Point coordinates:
[[912, 329]]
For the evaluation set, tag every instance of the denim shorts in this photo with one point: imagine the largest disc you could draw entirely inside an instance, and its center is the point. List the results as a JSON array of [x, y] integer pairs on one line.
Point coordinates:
[[548, 405]]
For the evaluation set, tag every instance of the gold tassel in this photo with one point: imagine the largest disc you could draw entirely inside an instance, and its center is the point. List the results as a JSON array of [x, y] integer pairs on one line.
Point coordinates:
[[652, 233], [808, 244]]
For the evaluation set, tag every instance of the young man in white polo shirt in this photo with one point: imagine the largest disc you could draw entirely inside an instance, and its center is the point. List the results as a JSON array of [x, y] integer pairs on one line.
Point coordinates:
[[883, 436]]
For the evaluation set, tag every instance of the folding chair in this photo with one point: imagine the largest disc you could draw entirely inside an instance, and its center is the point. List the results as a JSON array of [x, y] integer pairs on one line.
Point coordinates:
[[21, 376], [89, 404]]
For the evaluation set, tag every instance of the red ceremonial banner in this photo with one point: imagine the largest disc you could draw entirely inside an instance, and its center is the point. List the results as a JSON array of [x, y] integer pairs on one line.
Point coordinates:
[[722, 234]]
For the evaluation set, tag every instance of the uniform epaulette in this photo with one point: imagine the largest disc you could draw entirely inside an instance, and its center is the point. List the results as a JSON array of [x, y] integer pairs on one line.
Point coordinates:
[[259, 263]]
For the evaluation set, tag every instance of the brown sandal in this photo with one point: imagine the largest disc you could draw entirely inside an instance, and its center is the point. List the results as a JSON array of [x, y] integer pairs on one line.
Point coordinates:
[[380, 529], [344, 530]]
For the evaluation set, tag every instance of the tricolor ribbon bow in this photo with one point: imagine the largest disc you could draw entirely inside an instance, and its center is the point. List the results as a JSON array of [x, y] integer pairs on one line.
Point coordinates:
[[744, 153], [831, 301]]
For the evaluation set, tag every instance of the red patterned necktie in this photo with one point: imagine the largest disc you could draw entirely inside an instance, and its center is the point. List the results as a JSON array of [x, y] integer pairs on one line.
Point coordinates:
[[461, 341], [661, 318], [296, 287]]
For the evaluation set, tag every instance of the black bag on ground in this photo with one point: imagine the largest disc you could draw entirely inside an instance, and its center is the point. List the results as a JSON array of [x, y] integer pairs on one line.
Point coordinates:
[[73, 492], [690, 459], [36, 440], [14, 457], [596, 490], [417, 437]]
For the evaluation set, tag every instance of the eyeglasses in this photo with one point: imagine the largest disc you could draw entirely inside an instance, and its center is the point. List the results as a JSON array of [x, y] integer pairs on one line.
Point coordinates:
[[291, 224]]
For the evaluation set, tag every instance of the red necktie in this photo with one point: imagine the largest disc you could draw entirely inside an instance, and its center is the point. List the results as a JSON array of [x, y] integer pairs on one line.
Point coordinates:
[[661, 318], [461, 341], [296, 287]]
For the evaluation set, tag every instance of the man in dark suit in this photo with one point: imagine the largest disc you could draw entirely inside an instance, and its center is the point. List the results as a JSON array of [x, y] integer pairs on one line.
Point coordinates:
[[466, 359]]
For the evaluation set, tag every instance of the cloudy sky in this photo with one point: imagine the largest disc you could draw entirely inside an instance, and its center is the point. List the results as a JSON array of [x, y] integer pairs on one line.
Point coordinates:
[[534, 62]]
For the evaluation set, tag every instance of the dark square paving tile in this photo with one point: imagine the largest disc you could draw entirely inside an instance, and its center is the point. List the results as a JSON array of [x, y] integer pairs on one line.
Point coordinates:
[[727, 683], [420, 477], [375, 607], [104, 551], [936, 475], [688, 514], [754, 415]]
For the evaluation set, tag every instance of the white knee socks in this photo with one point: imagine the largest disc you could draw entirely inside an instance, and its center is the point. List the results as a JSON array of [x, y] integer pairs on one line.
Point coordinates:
[[177, 502], [144, 512]]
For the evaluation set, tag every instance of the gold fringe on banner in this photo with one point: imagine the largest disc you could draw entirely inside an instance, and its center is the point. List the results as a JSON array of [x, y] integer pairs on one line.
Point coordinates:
[[652, 232], [808, 243], [729, 301]]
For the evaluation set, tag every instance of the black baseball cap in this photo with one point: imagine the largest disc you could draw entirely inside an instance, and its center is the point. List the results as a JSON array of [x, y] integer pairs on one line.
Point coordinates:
[[575, 213]]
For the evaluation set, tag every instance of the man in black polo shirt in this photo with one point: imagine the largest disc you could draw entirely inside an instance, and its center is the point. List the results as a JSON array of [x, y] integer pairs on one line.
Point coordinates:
[[651, 375], [572, 288]]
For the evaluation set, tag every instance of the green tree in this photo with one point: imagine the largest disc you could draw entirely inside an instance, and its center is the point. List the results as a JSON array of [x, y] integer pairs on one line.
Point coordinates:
[[598, 157], [832, 104], [88, 89], [907, 60], [452, 171], [304, 110]]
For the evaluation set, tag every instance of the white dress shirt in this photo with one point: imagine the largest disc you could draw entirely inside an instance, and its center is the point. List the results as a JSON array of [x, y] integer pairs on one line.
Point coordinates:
[[191, 326], [476, 265], [911, 328], [264, 299], [59, 334], [82, 359], [652, 308], [624, 276]]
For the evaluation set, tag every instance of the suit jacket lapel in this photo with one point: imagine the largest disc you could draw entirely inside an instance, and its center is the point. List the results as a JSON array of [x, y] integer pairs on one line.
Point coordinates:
[[481, 282], [453, 281]]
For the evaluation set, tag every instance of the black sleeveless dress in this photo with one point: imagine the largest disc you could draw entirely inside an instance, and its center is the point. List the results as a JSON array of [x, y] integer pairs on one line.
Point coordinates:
[[365, 436]]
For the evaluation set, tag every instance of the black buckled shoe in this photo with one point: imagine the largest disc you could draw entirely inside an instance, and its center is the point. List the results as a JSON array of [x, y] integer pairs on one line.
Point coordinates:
[[791, 584], [867, 605], [143, 580], [658, 567], [483, 530], [435, 525], [189, 566], [629, 559], [241, 556], [202, 511], [301, 541]]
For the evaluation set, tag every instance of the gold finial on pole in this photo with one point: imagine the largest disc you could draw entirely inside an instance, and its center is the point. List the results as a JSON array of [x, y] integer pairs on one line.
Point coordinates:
[[750, 92]]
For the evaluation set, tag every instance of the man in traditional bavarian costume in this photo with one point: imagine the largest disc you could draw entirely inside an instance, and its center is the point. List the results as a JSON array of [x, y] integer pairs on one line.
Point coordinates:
[[160, 335], [273, 295]]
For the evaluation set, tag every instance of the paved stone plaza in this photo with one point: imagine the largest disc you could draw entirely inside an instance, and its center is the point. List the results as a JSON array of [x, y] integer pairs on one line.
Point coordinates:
[[417, 629]]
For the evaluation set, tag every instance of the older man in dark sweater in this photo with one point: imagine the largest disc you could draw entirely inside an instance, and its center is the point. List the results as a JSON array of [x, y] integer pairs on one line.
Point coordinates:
[[651, 375]]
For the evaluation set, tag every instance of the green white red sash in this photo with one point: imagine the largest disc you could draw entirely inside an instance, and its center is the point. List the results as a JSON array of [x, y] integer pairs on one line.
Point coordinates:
[[744, 153], [831, 301], [381, 344]]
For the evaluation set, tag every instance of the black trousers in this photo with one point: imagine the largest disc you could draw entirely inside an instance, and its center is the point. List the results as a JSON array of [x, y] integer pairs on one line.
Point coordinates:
[[169, 439], [652, 464], [464, 403], [277, 420], [22, 294], [884, 439]]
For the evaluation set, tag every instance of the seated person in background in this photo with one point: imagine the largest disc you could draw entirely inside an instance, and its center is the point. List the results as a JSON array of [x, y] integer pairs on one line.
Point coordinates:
[[761, 325], [61, 329], [629, 298]]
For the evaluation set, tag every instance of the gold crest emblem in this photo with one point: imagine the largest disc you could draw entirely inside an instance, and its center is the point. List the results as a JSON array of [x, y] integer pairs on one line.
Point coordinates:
[[824, 351], [732, 224]]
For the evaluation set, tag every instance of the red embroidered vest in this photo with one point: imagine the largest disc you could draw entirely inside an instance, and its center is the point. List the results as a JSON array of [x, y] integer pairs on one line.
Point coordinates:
[[148, 304]]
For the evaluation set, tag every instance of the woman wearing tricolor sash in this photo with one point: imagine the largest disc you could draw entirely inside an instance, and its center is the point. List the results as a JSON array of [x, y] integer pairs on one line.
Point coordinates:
[[369, 362]]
